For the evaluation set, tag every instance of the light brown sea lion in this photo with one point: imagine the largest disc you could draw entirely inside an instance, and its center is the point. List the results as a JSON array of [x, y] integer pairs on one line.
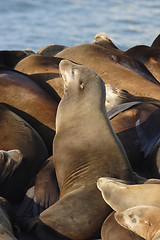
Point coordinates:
[[51, 50], [6, 220], [11, 57], [9, 161], [43, 69], [31, 102], [121, 196], [113, 72], [143, 220], [16, 133], [101, 39], [79, 163], [150, 56], [115, 96], [111, 230]]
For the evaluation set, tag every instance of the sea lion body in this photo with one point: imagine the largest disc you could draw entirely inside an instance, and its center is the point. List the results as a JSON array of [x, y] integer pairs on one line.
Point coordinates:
[[142, 220], [119, 71], [149, 56], [51, 50], [43, 69], [111, 230], [80, 211], [31, 102], [121, 196], [16, 133]]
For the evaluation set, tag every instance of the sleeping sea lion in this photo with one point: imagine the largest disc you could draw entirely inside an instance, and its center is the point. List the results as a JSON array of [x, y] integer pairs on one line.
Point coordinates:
[[101, 39], [142, 220], [82, 153], [30, 101], [16, 133], [121, 196], [43, 70], [149, 56], [111, 230], [120, 71], [51, 50]]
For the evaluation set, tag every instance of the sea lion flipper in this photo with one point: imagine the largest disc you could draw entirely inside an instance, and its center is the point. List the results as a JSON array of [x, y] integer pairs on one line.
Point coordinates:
[[148, 133]]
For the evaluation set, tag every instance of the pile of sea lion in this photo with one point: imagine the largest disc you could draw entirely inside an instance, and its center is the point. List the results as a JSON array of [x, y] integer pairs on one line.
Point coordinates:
[[80, 148]]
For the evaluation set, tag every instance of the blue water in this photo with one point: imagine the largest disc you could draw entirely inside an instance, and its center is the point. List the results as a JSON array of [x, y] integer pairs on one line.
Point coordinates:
[[37, 23]]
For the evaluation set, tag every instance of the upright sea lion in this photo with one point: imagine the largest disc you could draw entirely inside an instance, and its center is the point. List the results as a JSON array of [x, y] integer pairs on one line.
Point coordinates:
[[111, 230], [121, 196], [143, 220], [51, 50], [16, 133], [31, 102], [130, 78], [84, 138]]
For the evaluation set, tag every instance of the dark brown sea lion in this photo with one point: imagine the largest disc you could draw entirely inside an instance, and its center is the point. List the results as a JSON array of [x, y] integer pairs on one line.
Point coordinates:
[[111, 230], [150, 56], [6, 221], [137, 127], [51, 50], [43, 69], [11, 57], [143, 220], [31, 102], [156, 42], [121, 196], [130, 78], [101, 39], [18, 134], [80, 211]]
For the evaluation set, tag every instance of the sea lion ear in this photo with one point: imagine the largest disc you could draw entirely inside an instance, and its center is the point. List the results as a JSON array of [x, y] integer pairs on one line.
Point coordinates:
[[81, 85]]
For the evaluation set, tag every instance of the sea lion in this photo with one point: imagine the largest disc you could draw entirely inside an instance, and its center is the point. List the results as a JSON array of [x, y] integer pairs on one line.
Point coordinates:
[[149, 56], [115, 96], [156, 42], [137, 126], [143, 220], [126, 75], [11, 57], [121, 196], [111, 230], [31, 102], [6, 220], [16, 133], [101, 39], [51, 50], [80, 157], [43, 69], [9, 161]]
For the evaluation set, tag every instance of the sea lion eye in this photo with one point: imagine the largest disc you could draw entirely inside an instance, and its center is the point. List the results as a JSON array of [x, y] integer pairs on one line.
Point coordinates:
[[81, 85]]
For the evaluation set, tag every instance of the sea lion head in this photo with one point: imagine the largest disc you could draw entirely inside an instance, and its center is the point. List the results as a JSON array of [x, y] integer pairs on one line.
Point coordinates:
[[83, 79], [142, 220], [9, 161]]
